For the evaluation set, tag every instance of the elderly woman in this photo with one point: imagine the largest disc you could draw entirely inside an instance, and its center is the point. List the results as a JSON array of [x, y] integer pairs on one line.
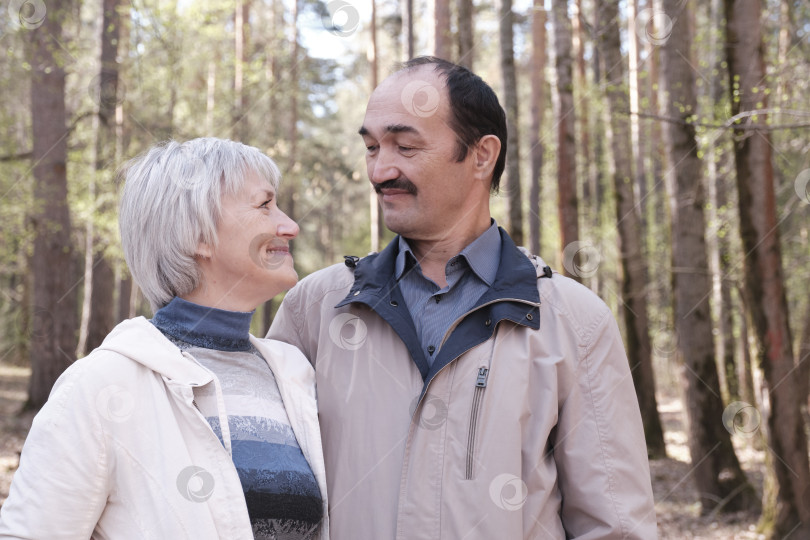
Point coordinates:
[[185, 425]]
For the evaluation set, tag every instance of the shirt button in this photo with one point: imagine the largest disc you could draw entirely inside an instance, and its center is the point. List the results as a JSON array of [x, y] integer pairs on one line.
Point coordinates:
[[394, 303], [489, 321], [431, 349], [438, 298]]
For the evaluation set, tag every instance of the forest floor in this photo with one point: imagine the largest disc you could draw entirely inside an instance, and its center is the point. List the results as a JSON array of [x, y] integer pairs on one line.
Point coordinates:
[[675, 493]]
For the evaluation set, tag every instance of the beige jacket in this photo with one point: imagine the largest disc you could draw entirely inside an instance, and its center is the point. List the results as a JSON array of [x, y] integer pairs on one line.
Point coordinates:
[[120, 450], [531, 433]]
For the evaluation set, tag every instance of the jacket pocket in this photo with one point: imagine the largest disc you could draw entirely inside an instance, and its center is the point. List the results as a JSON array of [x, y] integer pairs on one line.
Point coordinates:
[[480, 386]]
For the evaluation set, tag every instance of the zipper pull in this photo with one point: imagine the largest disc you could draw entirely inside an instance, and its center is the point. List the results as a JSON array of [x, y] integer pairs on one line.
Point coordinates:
[[481, 382]]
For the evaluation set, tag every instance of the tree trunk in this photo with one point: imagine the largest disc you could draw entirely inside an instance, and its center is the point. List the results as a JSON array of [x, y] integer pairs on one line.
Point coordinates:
[[210, 98], [375, 216], [595, 165], [640, 177], [408, 26], [240, 127], [578, 33], [538, 108], [53, 336], [634, 268], [442, 37], [466, 34], [124, 295], [566, 143], [510, 101], [102, 306], [720, 216], [720, 480], [764, 282]]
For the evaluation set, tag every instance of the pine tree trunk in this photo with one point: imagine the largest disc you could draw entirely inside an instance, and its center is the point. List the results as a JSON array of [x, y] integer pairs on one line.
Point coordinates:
[[375, 216], [510, 103], [102, 306], [566, 143], [53, 335], [634, 268], [466, 33], [408, 26], [718, 475], [764, 281], [719, 206], [538, 108], [240, 127], [441, 35]]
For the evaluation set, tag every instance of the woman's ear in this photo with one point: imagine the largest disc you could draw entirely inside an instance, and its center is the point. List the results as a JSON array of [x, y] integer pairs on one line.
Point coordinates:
[[486, 154], [204, 251]]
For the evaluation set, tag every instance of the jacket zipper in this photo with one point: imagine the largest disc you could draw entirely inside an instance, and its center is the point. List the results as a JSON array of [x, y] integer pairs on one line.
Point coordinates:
[[480, 385]]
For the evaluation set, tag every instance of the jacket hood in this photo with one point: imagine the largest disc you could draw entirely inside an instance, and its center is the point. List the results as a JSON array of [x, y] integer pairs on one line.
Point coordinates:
[[139, 340]]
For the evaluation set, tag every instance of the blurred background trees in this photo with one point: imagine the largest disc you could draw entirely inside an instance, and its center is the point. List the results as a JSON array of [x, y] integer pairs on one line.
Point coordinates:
[[658, 154]]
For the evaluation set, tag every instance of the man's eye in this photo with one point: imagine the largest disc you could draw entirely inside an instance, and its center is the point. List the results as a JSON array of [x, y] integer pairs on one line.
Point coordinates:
[[405, 149], [371, 147], [266, 203]]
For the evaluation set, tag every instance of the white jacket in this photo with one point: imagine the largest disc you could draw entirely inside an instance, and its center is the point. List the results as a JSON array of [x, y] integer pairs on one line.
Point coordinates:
[[121, 451]]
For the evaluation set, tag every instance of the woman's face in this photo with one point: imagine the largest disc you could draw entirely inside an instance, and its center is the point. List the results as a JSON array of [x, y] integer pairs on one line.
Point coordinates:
[[251, 262]]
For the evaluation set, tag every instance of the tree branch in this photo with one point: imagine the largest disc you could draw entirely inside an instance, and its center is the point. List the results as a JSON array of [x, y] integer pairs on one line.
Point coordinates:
[[730, 123]]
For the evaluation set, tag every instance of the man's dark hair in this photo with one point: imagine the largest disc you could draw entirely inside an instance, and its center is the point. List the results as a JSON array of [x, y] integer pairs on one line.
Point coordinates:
[[474, 109]]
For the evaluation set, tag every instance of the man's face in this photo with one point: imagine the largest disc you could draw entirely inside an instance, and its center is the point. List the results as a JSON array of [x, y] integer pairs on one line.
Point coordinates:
[[411, 158]]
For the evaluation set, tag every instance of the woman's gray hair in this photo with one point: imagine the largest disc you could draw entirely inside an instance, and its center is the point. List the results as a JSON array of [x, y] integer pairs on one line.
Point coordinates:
[[172, 200]]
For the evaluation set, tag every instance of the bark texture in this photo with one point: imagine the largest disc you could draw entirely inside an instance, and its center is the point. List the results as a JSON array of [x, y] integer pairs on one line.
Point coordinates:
[[634, 267], [55, 298], [510, 103], [566, 144], [785, 509], [720, 480]]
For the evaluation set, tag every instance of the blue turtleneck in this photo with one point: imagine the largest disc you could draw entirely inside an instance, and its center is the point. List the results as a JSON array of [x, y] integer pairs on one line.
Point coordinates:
[[281, 492]]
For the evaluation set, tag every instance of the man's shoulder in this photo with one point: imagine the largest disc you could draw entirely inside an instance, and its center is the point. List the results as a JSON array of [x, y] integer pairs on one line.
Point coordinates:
[[335, 278], [566, 297]]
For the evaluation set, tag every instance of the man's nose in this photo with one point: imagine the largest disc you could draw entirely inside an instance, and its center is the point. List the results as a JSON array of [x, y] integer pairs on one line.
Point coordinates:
[[382, 167]]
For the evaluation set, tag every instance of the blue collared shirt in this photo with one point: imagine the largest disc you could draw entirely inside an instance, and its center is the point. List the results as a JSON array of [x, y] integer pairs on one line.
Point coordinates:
[[469, 275]]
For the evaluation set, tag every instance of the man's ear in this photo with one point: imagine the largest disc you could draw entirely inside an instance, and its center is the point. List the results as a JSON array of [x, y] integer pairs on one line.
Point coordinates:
[[485, 155]]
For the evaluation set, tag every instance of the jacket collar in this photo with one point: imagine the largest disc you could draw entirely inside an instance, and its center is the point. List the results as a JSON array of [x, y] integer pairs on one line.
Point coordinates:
[[513, 297], [141, 341], [516, 278]]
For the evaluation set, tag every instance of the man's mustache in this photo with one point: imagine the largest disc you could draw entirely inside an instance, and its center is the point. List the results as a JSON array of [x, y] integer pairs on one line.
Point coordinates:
[[397, 183]]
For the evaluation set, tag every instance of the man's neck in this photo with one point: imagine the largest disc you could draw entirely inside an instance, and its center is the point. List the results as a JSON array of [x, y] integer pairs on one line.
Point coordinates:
[[433, 255]]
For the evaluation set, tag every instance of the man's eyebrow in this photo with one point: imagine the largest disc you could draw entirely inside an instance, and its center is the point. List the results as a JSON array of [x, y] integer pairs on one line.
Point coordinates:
[[394, 128]]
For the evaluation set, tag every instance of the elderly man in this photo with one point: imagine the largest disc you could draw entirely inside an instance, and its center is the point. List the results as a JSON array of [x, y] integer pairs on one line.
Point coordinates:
[[464, 390]]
